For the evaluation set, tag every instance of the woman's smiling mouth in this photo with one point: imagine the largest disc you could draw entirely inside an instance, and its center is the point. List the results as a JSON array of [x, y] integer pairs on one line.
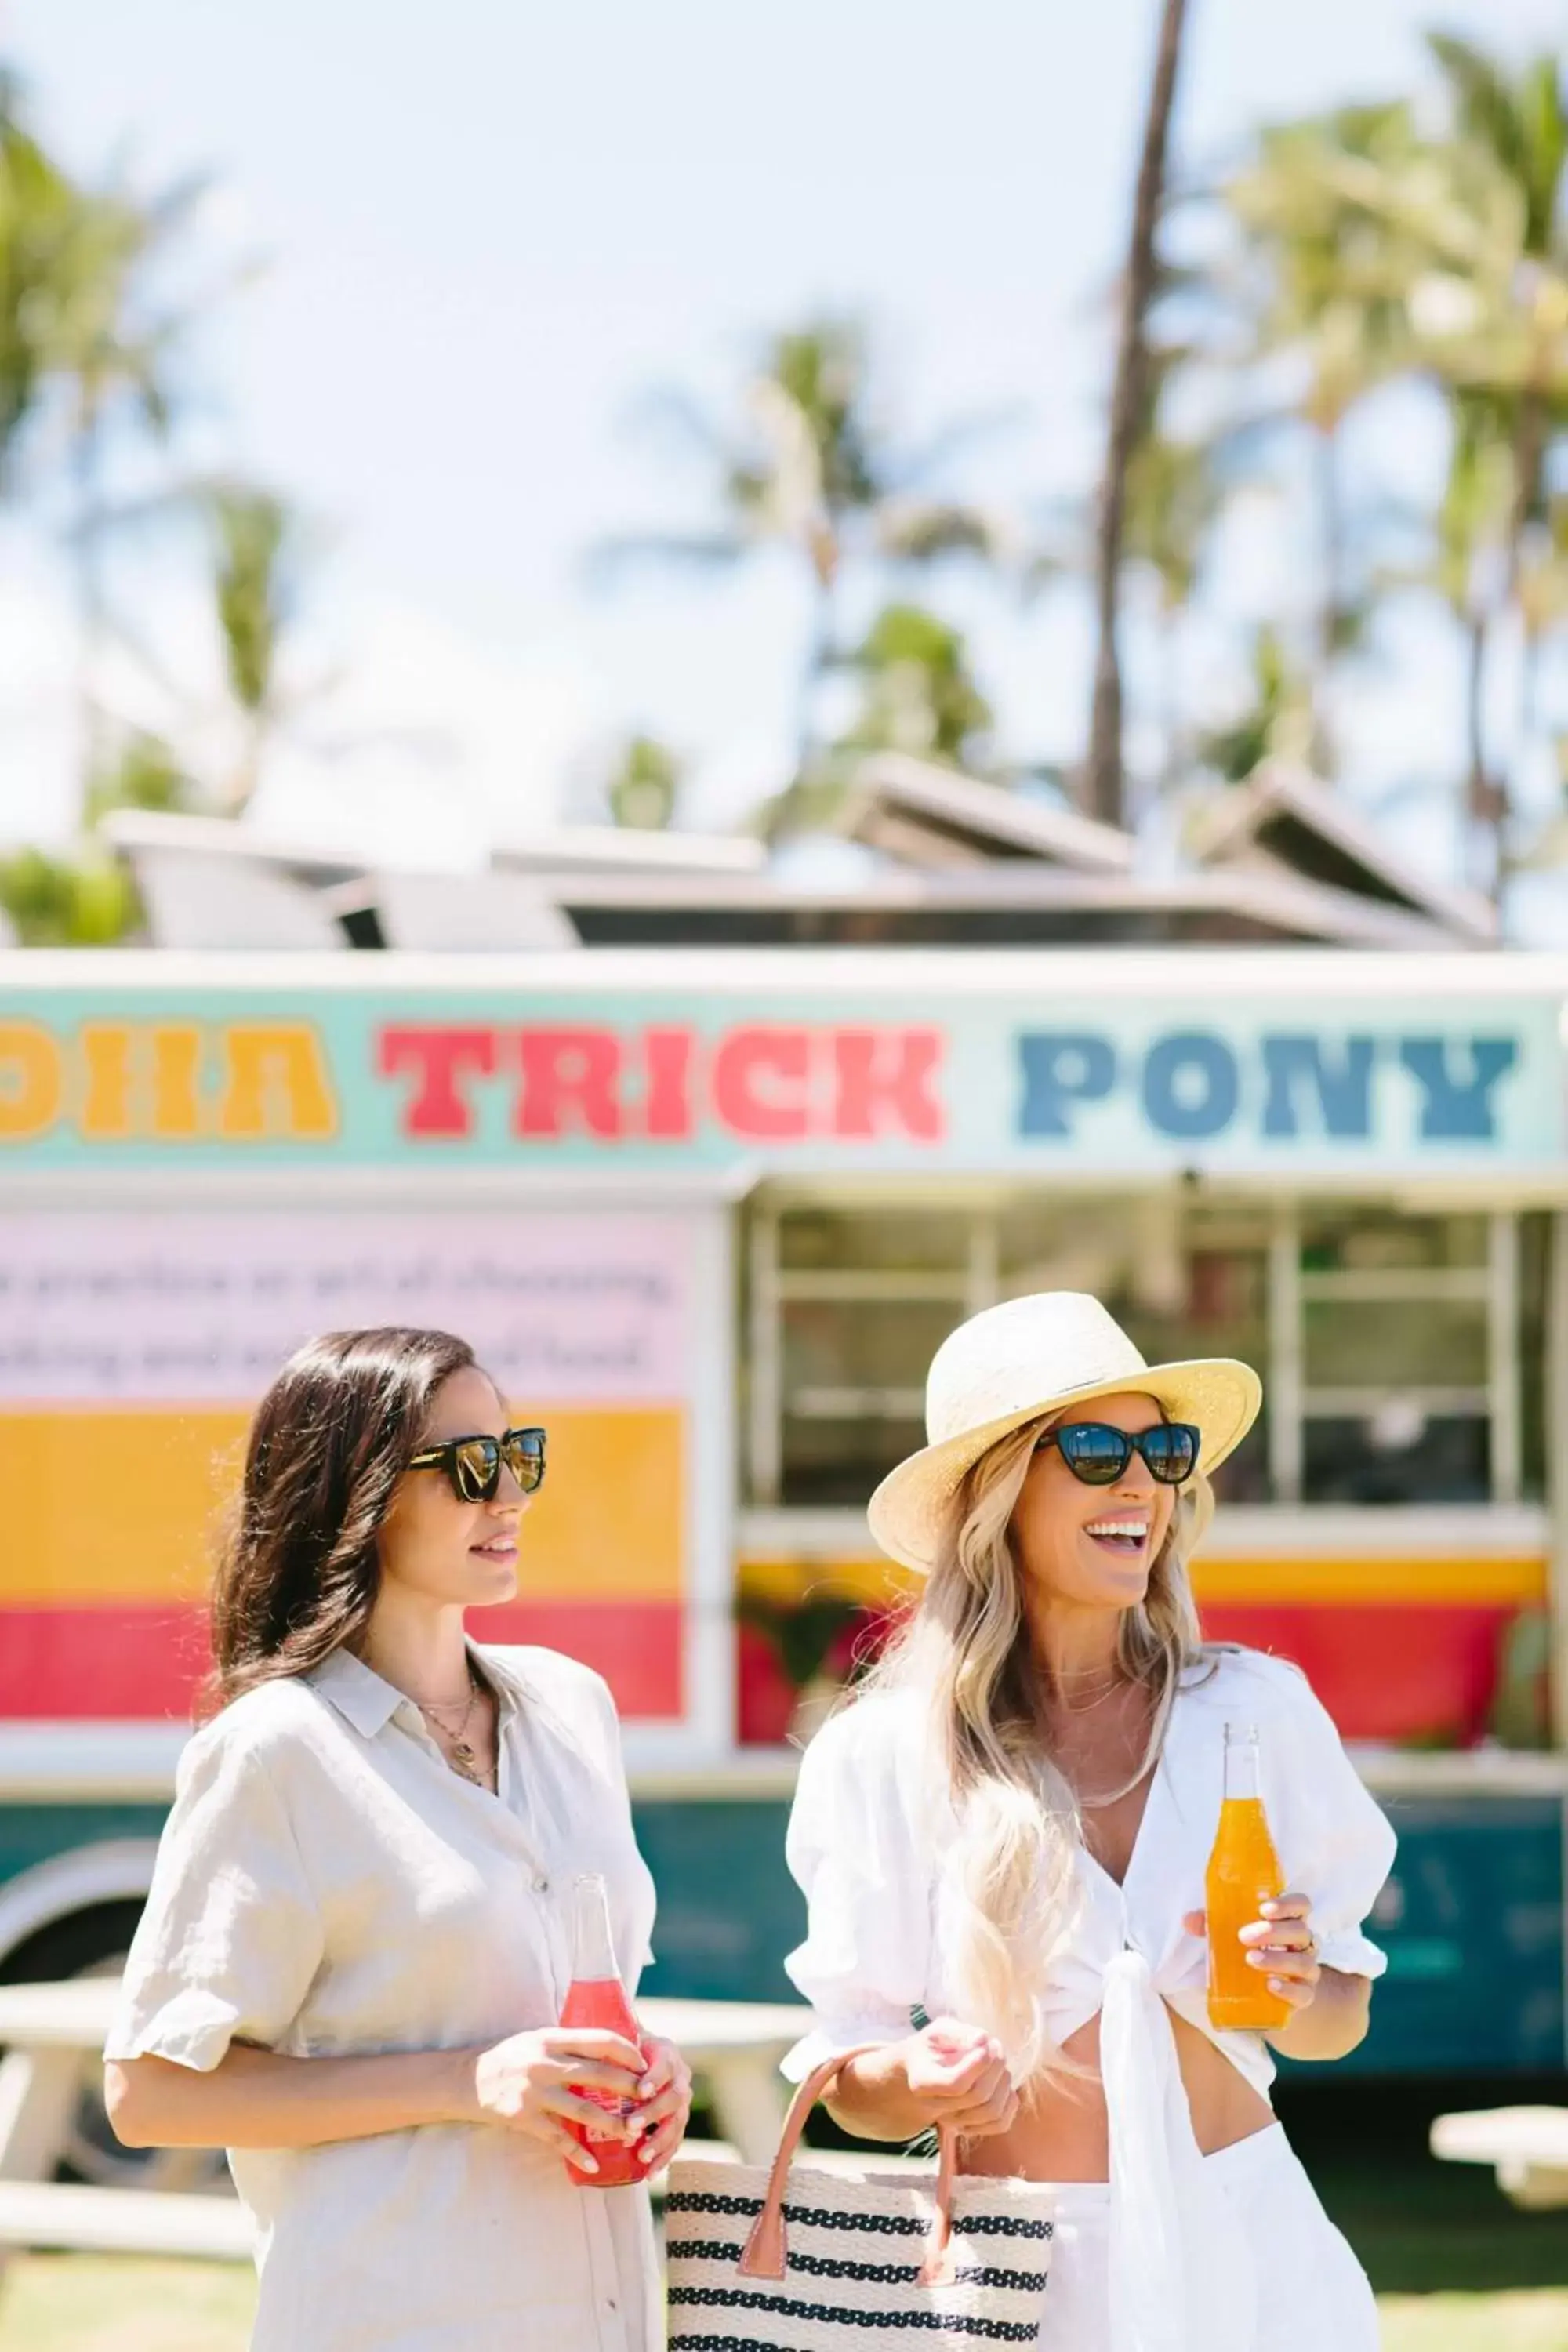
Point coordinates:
[[1126, 1534]]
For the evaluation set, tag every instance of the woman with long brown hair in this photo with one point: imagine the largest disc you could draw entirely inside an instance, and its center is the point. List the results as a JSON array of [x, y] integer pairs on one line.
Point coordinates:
[[354, 1957], [1004, 1845]]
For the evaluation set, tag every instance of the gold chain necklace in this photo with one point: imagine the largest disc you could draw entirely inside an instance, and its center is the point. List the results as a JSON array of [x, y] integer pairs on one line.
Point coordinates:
[[459, 1752], [1117, 1682]]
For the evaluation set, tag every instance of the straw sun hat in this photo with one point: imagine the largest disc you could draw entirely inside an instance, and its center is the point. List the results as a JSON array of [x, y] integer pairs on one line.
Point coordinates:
[[1022, 1361]]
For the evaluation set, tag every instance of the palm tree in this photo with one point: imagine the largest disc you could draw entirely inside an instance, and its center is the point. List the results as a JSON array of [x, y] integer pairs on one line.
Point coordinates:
[[1521, 127], [1322, 290], [1469, 226], [1472, 528], [1176, 495], [806, 465], [259, 547], [1516, 363], [40, 220], [1104, 781], [115, 346]]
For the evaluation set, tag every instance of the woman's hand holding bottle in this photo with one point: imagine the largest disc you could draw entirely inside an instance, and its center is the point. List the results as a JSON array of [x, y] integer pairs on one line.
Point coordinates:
[[535, 2082], [1281, 1944], [665, 2108]]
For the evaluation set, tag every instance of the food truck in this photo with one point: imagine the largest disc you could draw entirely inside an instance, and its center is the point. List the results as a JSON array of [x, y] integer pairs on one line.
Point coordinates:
[[706, 1214]]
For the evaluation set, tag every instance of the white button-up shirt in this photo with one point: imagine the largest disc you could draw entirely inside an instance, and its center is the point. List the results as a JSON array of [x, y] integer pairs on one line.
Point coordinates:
[[327, 1885], [869, 1842]]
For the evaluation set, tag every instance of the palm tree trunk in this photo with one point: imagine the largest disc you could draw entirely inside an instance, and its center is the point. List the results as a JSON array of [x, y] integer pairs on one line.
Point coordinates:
[[1486, 798], [91, 617], [1330, 530], [1529, 458], [1169, 658], [1477, 782], [1104, 794], [819, 659]]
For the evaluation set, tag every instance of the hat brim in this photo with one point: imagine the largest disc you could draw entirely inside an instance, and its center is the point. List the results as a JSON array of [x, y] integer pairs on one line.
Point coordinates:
[[908, 1510]]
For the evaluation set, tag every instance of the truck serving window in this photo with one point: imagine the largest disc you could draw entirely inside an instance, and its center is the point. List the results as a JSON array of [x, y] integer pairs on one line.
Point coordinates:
[[1401, 1352]]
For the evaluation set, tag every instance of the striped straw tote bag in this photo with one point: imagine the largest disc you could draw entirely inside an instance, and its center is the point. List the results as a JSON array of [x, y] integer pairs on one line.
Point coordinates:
[[798, 2261]]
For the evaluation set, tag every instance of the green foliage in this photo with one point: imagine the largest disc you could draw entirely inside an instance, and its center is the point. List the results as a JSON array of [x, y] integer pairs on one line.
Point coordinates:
[[85, 901], [802, 1633], [1174, 498], [918, 692], [1522, 1704], [39, 224], [1522, 125], [1274, 722], [255, 558], [144, 776], [918, 695], [80, 321], [805, 464], [85, 897], [645, 786]]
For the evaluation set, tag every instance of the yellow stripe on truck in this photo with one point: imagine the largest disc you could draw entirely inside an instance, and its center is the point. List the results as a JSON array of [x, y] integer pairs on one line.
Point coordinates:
[[1415, 1583], [105, 1506]]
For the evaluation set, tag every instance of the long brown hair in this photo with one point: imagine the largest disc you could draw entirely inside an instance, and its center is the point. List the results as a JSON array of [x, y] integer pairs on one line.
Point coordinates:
[[331, 1439]]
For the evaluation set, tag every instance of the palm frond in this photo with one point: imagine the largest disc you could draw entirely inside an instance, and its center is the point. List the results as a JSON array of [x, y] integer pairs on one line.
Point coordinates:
[[923, 530], [1483, 102]]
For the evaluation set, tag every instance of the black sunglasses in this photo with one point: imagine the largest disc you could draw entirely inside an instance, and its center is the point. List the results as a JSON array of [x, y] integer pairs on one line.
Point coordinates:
[[1097, 1453], [473, 1464]]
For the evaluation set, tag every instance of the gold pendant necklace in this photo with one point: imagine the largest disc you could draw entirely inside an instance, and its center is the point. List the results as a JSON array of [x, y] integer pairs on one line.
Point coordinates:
[[460, 1753]]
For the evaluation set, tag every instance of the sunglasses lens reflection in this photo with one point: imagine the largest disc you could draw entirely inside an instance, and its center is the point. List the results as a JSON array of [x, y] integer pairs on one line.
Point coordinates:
[[1172, 1452], [1094, 1451], [525, 1457], [477, 1464]]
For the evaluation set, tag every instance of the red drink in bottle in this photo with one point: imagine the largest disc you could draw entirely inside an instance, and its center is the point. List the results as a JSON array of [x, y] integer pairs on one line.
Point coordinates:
[[597, 1997]]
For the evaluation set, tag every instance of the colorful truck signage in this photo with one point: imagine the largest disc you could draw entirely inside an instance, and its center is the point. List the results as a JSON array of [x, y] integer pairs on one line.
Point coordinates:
[[706, 1080]]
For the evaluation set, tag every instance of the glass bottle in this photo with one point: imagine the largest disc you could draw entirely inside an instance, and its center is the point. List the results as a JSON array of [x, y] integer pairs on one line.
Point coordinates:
[[1243, 1874], [597, 1998]]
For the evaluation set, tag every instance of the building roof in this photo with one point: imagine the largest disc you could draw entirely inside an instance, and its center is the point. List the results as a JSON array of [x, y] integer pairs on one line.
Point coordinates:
[[1282, 820], [981, 868], [935, 817]]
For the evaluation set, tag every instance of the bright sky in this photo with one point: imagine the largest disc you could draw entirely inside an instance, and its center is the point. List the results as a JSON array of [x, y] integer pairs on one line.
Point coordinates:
[[492, 225]]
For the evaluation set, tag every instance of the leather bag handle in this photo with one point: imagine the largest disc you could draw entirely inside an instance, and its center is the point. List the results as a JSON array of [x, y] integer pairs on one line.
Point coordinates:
[[766, 2254]]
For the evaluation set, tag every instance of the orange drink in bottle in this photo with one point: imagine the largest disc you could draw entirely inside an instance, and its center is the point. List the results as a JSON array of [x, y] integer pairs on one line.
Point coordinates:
[[598, 1998], [1244, 1874]]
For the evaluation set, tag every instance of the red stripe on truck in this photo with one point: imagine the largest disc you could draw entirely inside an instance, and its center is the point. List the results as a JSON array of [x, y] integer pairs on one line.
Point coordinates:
[[144, 1664], [1394, 1673]]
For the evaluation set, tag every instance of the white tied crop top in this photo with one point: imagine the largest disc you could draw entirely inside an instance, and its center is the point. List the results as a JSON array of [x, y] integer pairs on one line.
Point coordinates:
[[867, 1840]]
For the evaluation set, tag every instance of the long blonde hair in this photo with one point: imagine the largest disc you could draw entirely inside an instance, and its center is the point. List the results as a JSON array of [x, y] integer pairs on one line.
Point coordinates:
[[965, 1650]]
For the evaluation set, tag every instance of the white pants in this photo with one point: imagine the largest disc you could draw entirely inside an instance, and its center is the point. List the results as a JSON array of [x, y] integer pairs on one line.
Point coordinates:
[[1315, 2295]]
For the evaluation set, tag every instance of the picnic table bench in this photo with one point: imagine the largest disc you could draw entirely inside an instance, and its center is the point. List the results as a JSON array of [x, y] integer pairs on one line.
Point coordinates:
[[1527, 2148], [52, 2033]]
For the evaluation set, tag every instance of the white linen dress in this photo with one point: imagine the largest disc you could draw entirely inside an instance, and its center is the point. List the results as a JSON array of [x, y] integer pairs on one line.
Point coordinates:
[[327, 1885], [1177, 2251]]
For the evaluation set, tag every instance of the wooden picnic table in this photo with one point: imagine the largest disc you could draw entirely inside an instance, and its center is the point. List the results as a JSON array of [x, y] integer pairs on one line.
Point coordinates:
[[52, 2033], [1527, 2148]]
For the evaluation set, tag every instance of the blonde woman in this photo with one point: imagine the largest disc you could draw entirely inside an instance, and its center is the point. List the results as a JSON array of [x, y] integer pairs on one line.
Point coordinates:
[[1002, 1847]]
